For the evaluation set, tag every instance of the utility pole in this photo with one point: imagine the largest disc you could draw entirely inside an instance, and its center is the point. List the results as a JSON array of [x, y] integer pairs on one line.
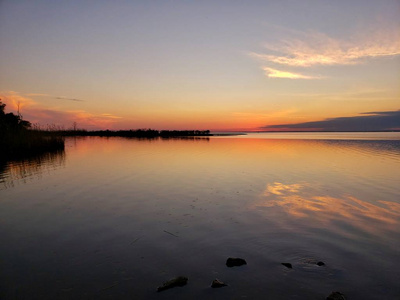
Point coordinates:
[[18, 105]]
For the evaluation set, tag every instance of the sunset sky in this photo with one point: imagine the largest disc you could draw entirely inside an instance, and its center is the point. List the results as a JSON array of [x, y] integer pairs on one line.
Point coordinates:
[[218, 65]]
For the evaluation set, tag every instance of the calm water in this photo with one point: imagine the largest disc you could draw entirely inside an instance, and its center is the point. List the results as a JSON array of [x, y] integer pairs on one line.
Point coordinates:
[[115, 218]]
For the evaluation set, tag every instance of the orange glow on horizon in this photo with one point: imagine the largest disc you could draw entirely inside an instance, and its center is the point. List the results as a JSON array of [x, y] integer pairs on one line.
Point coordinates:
[[60, 114]]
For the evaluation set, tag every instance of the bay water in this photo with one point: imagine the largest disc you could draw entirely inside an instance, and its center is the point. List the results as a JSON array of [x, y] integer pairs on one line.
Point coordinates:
[[114, 218]]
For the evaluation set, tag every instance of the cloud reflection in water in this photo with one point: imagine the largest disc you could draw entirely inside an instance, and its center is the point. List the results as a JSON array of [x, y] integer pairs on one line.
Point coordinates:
[[300, 203]]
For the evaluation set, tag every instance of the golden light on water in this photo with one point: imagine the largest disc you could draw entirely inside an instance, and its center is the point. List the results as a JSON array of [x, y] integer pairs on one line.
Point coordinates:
[[300, 200]]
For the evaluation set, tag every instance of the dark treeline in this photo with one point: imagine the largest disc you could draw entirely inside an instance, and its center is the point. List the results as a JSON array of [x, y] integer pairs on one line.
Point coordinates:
[[140, 133], [16, 138]]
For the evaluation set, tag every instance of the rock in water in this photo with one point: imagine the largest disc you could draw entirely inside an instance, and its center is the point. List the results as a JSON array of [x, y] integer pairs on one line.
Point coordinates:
[[336, 296], [287, 265], [320, 263], [178, 281], [235, 262], [217, 284]]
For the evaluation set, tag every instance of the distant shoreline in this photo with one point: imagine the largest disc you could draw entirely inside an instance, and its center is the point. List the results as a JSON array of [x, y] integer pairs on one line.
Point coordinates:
[[140, 133], [303, 131]]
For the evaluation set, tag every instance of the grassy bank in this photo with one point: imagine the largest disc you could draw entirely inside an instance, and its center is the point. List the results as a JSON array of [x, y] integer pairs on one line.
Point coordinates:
[[24, 142], [145, 133], [16, 139]]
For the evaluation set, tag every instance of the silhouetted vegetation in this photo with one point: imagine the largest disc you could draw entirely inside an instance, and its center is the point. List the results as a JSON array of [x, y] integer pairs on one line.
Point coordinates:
[[139, 133], [16, 138]]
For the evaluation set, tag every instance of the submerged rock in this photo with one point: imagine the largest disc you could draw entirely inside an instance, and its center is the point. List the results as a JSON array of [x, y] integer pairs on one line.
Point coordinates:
[[235, 262], [320, 263], [217, 283], [287, 265], [336, 296], [178, 281]]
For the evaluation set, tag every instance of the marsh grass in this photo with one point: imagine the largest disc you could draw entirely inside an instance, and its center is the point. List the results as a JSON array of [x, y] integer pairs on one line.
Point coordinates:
[[138, 133], [17, 139], [26, 142]]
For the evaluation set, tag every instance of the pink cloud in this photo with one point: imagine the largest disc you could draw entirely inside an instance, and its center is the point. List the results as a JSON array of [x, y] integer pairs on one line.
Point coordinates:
[[47, 117]]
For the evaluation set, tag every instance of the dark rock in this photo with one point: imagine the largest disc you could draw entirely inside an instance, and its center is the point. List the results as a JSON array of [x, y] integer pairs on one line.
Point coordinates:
[[336, 296], [235, 262], [320, 263], [287, 265], [178, 281], [217, 284]]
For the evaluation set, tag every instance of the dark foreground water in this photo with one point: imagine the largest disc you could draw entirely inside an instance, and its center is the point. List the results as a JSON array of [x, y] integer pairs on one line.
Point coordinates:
[[115, 218]]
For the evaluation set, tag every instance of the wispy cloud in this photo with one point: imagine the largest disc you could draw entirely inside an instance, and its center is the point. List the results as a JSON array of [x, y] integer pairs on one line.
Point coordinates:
[[320, 49], [52, 96], [94, 120], [368, 121], [273, 73], [70, 99], [110, 116], [15, 100], [311, 49], [38, 114]]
